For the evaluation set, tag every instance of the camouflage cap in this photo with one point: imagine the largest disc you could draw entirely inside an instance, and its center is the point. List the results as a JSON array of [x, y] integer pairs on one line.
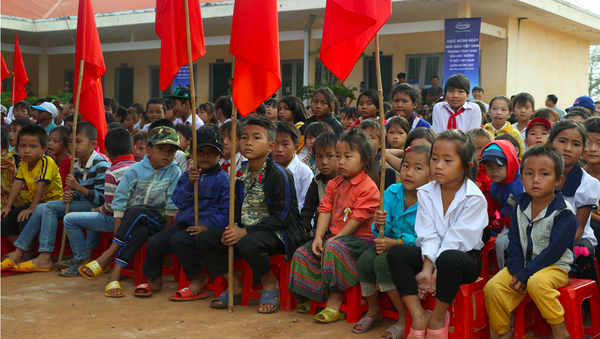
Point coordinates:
[[164, 136]]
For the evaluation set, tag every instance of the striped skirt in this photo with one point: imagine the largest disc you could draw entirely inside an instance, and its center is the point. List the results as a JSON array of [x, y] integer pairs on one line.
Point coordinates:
[[336, 271]]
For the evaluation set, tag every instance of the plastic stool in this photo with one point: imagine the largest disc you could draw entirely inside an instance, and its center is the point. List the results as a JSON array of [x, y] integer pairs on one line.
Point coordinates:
[[489, 266], [217, 285], [352, 305], [287, 302], [137, 271]]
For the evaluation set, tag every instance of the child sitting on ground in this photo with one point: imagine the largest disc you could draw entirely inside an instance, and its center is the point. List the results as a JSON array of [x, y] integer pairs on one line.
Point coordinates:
[[39, 173], [266, 212], [119, 144], [213, 212], [225, 161], [142, 206], [537, 132], [398, 224], [502, 167], [543, 219], [325, 267], [372, 128], [310, 134], [284, 155]]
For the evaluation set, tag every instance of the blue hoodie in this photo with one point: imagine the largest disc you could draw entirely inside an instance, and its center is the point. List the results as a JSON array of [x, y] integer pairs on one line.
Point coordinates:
[[144, 186], [213, 198]]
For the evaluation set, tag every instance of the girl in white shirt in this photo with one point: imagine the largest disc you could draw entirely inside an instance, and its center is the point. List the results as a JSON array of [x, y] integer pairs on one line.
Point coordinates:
[[451, 217]]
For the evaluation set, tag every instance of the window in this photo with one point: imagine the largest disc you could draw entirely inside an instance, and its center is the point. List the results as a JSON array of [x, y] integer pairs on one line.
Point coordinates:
[[292, 77], [69, 77], [321, 72], [370, 74], [421, 67]]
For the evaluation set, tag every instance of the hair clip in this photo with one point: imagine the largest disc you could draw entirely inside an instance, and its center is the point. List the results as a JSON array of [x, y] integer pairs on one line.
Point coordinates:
[[407, 149]]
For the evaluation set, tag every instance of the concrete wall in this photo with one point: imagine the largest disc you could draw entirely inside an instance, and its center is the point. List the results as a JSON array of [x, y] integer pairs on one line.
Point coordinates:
[[31, 67]]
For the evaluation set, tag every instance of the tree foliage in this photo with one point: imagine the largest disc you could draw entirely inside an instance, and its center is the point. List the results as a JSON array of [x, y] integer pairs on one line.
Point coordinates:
[[594, 83]]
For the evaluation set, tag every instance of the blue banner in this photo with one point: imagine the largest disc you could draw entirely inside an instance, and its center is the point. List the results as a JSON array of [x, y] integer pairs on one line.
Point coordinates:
[[182, 79], [461, 48]]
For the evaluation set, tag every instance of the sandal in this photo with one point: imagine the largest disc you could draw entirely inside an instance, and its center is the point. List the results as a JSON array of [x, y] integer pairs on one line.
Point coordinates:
[[329, 315], [28, 266], [72, 271], [224, 298], [96, 269], [146, 290], [367, 324], [185, 294], [416, 334], [115, 285], [66, 264], [269, 297], [396, 331], [304, 307], [442, 333], [7, 263]]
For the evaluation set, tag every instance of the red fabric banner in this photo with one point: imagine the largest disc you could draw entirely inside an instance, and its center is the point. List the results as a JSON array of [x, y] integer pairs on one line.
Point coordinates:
[[349, 26], [4, 71], [19, 74], [255, 45]]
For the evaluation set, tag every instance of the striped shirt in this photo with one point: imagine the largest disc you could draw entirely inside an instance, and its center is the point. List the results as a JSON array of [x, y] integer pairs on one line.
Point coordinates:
[[112, 178], [91, 176]]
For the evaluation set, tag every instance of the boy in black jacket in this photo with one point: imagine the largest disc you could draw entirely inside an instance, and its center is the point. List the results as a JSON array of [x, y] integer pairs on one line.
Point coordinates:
[[266, 213]]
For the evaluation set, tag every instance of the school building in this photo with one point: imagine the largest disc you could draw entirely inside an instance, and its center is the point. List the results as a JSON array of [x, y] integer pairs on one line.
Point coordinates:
[[538, 46]]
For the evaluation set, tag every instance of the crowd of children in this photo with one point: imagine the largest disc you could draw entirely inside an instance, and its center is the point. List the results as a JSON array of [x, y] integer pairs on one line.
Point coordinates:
[[307, 186]]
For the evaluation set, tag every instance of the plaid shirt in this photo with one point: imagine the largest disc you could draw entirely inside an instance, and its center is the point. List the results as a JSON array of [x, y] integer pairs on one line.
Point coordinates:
[[7, 171]]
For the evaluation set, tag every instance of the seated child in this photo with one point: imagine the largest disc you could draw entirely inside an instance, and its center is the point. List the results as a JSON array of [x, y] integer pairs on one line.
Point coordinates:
[[39, 174], [69, 120], [398, 225], [451, 217], [592, 158], [418, 136], [511, 138], [500, 110], [502, 167], [185, 140], [547, 113], [482, 138], [45, 113], [324, 107], [142, 206], [58, 143], [537, 132], [326, 266], [119, 144], [14, 129], [182, 106], [155, 110], [139, 141], [372, 128], [272, 106], [267, 216], [368, 107], [8, 167], [524, 105], [22, 110], [206, 112], [455, 112], [540, 252], [292, 110], [180, 156], [131, 120], [284, 155], [348, 116], [310, 134], [405, 100], [213, 212], [324, 150], [396, 132], [225, 161]]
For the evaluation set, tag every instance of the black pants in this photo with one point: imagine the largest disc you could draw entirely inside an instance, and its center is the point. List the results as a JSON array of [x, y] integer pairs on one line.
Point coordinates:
[[586, 269], [137, 226], [255, 248], [10, 225], [172, 240], [453, 269]]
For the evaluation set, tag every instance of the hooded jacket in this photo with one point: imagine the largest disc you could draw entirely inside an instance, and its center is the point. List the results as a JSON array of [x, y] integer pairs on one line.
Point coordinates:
[[508, 128], [484, 182], [504, 194]]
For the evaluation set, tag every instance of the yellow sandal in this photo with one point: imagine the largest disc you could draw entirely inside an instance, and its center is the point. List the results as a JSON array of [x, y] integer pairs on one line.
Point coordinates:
[[329, 315], [115, 285], [95, 267]]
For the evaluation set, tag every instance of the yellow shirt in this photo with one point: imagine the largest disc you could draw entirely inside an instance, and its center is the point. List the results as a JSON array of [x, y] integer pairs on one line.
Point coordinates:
[[45, 170]]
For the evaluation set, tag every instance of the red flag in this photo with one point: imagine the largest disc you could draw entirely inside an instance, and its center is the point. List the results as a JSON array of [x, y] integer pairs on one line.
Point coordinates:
[[255, 45], [170, 27], [349, 26], [19, 74], [88, 48], [4, 71]]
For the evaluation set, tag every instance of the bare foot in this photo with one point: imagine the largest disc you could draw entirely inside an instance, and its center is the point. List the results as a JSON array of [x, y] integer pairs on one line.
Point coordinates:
[[40, 262], [267, 307], [88, 271], [198, 283], [421, 321], [156, 284], [114, 277], [374, 314]]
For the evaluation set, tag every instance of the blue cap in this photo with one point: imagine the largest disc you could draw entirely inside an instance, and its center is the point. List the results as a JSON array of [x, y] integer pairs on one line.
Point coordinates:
[[494, 153], [583, 101]]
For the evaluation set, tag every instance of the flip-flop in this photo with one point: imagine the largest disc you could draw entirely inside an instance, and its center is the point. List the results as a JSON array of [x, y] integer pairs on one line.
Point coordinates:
[[367, 323], [146, 291], [304, 307], [115, 285], [185, 294], [96, 269], [329, 315], [28, 266], [396, 331], [442, 333], [7, 263], [66, 263], [72, 271], [269, 297], [224, 298]]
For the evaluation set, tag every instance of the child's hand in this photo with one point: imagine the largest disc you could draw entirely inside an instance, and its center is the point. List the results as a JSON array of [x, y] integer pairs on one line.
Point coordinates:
[[97, 209], [67, 196], [24, 215], [72, 182], [384, 244], [194, 230], [423, 283], [317, 247], [433, 282], [518, 286], [4, 211], [380, 217], [232, 236], [194, 175]]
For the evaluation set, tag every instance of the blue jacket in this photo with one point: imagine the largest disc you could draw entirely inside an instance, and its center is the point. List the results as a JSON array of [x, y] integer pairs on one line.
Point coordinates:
[[144, 186], [504, 195], [399, 224], [213, 199]]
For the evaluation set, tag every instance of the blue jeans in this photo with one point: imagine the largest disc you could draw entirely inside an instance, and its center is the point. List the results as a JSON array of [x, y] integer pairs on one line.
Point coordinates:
[[76, 222], [44, 219]]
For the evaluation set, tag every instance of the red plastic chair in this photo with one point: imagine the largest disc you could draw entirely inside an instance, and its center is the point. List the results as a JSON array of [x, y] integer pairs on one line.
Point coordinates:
[[353, 304], [489, 262], [135, 270], [287, 301], [217, 285], [571, 298]]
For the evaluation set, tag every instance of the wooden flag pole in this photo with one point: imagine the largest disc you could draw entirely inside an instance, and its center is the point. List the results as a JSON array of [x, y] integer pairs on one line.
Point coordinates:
[[232, 174], [382, 124], [12, 94], [73, 143], [193, 96]]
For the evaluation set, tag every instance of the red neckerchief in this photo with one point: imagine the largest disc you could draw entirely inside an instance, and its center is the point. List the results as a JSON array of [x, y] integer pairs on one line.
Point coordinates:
[[452, 119]]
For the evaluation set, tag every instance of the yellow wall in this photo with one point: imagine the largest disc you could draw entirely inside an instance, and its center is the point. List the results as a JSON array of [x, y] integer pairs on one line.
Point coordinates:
[[31, 67]]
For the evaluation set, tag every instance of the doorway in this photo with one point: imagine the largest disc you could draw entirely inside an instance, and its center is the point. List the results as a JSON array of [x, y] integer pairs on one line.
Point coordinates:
[[370, 74], [124, 85], [219, 84]]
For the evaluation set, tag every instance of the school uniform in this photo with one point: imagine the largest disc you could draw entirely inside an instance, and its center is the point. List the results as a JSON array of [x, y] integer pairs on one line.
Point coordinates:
[[188, 121], [240, 161], [310, 211], [466, 118], [452, 241], [303, 176], [414, 122]]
